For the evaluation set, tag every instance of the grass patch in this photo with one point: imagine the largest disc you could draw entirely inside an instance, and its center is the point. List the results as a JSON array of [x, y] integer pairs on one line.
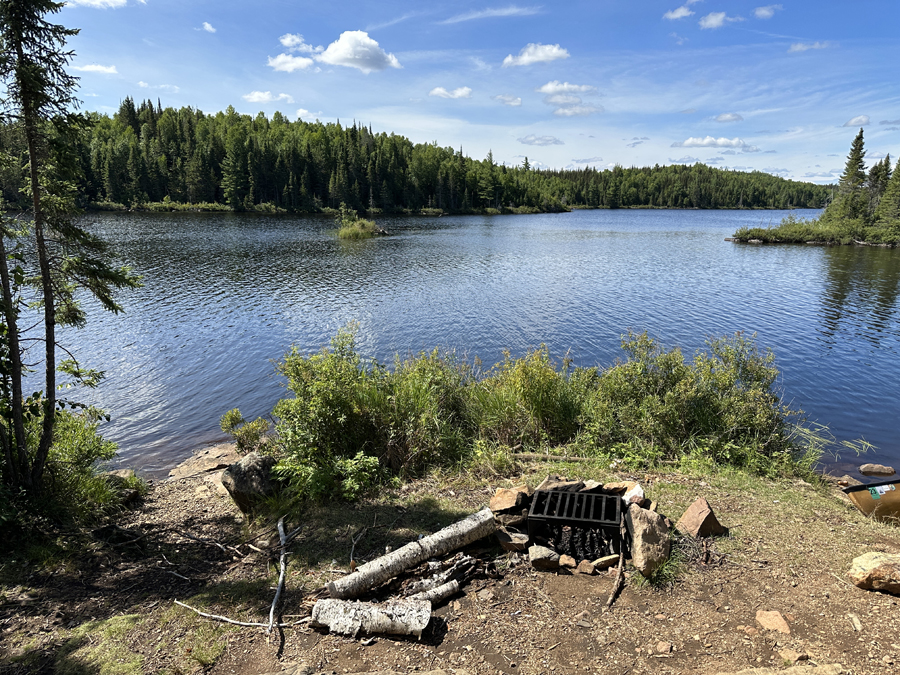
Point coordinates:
[[99, 647]]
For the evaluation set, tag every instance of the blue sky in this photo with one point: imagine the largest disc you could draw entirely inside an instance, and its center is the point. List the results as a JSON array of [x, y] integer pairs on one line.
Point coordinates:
[[779, 87]]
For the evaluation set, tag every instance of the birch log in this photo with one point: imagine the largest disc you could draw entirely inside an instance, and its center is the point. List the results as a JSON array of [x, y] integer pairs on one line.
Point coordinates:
[[438, 593], [400, 617], [388, 566]]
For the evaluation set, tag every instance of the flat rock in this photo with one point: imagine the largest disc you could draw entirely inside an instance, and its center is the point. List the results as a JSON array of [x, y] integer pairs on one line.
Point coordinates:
[[510, 498], [512, 518], [700, 521], [585, 567], [543, 558], [663, 647], [773, 621], [792, 655], [876, 572], [567, 561], [210, 459], [876, 470], [605, 562], [649, 539], [554, 482], [512, 541]]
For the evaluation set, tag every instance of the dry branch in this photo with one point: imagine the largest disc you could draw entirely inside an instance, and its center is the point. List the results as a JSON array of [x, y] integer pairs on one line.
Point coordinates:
[[280, 576], [400, 617], [225, 619], [386, 567]]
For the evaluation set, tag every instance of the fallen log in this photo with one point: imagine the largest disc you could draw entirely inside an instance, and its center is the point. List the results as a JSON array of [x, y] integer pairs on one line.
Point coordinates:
[[388, 566], [400, 617], [438, 593]]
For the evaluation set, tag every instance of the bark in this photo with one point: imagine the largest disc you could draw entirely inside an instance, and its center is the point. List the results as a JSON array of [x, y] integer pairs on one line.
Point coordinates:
[[400, 617], [438, 593], [386, 567], [16, 453]]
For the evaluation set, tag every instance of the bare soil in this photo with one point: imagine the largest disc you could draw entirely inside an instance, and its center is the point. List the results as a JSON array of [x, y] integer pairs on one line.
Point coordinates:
[[108, 607]]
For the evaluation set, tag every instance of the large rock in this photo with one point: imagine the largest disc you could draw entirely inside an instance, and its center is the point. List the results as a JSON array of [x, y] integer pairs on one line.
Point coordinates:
[[543, 558], [249, 480], [505, 499], [876, 572], [554, 482], [512, 541], [650, 543], [876, 470], [209, 459], [700, 521]]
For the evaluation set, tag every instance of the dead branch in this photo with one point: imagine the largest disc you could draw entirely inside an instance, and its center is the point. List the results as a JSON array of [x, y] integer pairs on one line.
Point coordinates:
[[283, 569], [357, 539], [620, 574], [225, 619]]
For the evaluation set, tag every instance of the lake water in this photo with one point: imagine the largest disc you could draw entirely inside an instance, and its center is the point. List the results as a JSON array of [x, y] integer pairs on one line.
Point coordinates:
[[225, 294]]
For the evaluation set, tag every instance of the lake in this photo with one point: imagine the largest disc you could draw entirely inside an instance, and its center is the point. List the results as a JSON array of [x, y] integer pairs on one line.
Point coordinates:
[[226, 294]]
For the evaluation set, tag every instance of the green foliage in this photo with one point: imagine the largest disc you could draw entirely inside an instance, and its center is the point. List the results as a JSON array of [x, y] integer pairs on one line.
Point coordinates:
[[248, 436], [351, 226]]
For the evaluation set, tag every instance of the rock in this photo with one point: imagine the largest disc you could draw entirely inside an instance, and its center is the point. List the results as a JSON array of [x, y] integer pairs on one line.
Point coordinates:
[[567, 561], [592, 486], [516, 520], [605, 562], [585, 567], [512, 541], [700, 521], [554, 482], [876, 572], [792, 655], [211, 459], [119, 481], [663, 647], [823, 669], [505, 499], [773, 621], [249, 480], [876, 470], [619, 488], [123, 474], [543, 558], [848, 481], [649, 539]]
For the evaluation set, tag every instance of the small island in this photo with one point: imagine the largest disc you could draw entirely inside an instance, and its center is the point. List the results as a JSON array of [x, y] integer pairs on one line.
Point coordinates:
[[351, 226]]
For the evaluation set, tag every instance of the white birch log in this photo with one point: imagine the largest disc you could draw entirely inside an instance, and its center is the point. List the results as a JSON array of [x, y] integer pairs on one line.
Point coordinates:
[[439, 593], [388, 566], [347, 617]]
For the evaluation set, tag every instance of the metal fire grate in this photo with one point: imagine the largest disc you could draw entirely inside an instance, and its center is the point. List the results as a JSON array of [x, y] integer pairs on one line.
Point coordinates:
[[581, 509]]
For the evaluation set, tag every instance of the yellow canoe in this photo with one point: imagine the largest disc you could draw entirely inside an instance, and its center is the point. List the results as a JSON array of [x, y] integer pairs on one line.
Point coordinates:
[[880, 501]]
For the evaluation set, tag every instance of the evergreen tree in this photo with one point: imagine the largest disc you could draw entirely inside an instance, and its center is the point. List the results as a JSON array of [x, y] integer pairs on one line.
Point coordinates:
[[888, 211]]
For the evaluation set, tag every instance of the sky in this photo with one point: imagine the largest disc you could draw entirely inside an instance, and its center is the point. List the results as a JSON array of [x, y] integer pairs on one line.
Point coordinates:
[[781, 88]]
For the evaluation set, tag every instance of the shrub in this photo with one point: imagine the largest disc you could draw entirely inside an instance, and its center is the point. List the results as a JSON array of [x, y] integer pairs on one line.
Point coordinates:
[[248, 436]]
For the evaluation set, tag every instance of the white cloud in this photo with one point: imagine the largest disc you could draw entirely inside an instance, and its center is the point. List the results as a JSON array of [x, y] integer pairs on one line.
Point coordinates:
[[680, 13], [143, 84], [562, 100], [806, 46], [679, 40], [589, 160], [709, 142], [207, 26], [303, 113], [98, 4], [749, 148], [512, 10], [171, 88], [265, 97], [729, 117], [288, 63], [96, 68], [684, 160], [355, 49], [767, 12], [294, 42], [578, 110], [460, 92], [889, 122], [717, 20], [819, 174], [557, 87], [729, 152], [535, 52], [858, 121], [507, 99], [540, 140]]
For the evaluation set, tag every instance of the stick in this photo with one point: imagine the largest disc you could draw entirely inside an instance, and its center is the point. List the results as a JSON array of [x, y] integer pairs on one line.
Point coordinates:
[[203, 541], [216, 617], [620, 575], [280, 576], [357, 538]]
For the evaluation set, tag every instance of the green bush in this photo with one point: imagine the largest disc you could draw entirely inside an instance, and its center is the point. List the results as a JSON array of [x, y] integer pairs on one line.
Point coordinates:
[[248, 436]]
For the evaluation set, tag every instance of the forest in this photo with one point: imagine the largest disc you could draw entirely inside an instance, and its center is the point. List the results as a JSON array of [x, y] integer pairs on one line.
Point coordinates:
[[146, 154]]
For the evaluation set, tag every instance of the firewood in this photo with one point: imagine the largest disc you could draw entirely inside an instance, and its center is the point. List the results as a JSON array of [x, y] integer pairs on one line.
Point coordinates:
[[348, 617]]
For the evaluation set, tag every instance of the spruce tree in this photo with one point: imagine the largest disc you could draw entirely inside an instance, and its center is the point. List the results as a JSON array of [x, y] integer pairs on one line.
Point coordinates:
[[888, 211]]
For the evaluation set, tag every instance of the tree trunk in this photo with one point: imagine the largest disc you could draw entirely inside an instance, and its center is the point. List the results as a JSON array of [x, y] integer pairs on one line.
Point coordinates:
[[16, 451], [386, 567], [400, 617]]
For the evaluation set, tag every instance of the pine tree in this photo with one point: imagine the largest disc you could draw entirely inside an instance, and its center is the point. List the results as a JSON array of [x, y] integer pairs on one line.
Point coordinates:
[[888, 211]]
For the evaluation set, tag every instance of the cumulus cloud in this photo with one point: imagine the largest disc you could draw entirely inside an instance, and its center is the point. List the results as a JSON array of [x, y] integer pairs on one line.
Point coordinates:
[[588, 160], [460, 92], [806, 46], [507, 99], [679, 13], [715, 160], [288, 63], [535, 52], [207, 26], [777, 172], [729, 152], [171, 88], [889, 122], [355, 49], [98, 4], [729, 117], [557, 87], [717, 20], [294, 42], [578, 110], [492, 13], [97, 68], [749, 148], [858, 121], [540, 140], [303, 113], [709, 142], [687, 159], [265, 97], [767, 12], [818, 174]]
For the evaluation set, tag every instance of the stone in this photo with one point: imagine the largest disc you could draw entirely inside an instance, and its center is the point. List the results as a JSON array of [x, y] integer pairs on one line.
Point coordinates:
[[700, 521], [543, 558], [605, 562], [650, 543], [554, 482], [792, 655], [876, 470], [619, 488], [773, 621], [875, 571], [118, 480], [210, 459], [585, 567], [567, 561], [249, 480], [505, 499], [663, 647], [512, 541], [592, 486], [516, 520], [821, 669]]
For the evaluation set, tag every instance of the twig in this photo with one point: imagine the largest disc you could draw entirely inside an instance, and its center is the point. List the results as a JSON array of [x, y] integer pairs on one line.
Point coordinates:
[[175, 574], [358, 537], [280, 576], [216, 617], [620, 575], [203, 541]]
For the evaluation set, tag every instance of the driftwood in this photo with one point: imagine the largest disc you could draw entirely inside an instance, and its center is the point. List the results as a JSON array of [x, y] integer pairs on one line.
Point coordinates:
[[386, 567], [400, 617]]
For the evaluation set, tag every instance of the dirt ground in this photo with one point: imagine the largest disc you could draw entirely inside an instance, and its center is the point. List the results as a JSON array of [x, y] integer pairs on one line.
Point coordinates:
[[110, 608]]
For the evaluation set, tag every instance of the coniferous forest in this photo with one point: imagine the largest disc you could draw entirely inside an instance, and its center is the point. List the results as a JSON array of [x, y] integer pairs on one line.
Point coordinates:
[[148, 154]]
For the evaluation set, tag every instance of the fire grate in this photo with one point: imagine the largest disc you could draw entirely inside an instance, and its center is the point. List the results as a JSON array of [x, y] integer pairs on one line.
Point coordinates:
[[581, 509]]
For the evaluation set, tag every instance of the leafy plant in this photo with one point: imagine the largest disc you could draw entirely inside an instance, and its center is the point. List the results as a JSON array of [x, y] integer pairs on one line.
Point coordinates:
[[248, 436]]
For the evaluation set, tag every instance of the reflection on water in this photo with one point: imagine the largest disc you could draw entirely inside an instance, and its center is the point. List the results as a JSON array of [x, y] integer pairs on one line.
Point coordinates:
[[226, 294]]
